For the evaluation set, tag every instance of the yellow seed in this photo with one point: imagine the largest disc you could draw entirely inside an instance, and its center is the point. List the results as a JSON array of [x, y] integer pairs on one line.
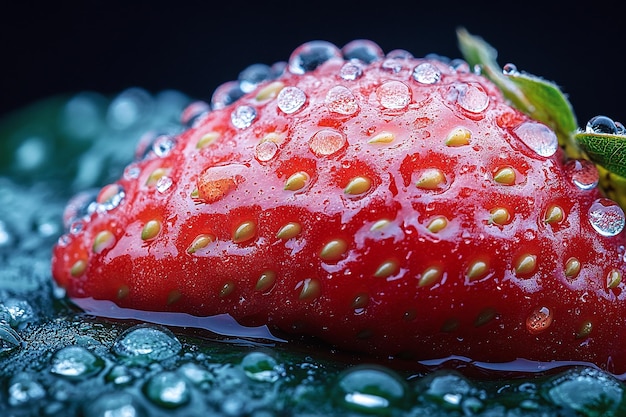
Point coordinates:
[[104, 240], [269, 91], [431, 179], [379, 225], [459, 137], [195, 193], [613, 279], [358, 185], [244, 232], [333, 250], [273, 137], [437, 224], [585, 330], [265, 281], [525, 265], [499, 215], [173, 297], [554, 214], [296, 181], [309, 289], [505, 176], [155, 176], [207, 139], [386, 269], [200, 242], [151, 230], [360, 301], [572, 268], [485, 316], [122, 292], [289, 231], [450, 325], [227, 289], [382, 138], [430, 276], [78, 268], [477, 270]]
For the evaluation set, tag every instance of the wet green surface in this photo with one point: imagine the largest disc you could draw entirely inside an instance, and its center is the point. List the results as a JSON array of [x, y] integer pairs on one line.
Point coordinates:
[[56, 360]]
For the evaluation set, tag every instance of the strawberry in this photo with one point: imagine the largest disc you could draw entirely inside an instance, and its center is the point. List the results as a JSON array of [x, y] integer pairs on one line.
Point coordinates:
[[384, 204]]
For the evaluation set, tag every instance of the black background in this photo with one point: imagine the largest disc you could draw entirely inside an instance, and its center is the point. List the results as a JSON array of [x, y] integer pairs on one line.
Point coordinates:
[[193, 46]]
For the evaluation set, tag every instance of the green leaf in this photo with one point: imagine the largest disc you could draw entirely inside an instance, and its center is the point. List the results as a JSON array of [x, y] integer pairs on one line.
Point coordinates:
[[539, 99], [606, 150]]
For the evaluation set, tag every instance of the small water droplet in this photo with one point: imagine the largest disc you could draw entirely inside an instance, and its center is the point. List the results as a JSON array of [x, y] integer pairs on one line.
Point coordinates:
[[396, 60], [144, 343], [110, 197], [538, 137], [290, 99], [340, 99], [252, 76], [606, 217], [539, 320], [243, 116], [394, 95], [261, 367], [225, 95], [327, 142], [470, 97], [351, 71], [601, 124], [426, 73], [583, 173], [168, 390], [23, 389], [131, 172], [510, 69], [194, 112], [370, 389], [363, 50], [75, 362], [266, 150], [163, 184], [311, 55]]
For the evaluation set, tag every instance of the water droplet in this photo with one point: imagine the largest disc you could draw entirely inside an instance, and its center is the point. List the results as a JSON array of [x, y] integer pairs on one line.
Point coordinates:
[[538, 137], [606, 217], [19, 312], [396, 60], [168, 390], [509, 69], [82, 117], [311, 55], [539, 320], [110, 197], [426, 73], [7, 238], [80, 206], [31, 154], [266, 150], [363, 50], [290, 99], [261, 367], [351, 71], [470, 97], [340, 99], [252, 76], [114, 404], [10, 340], [583, 173], [327, 142], [131, 172], [75, 363], [449, 388], [216, 182], [163, 184], [154, 143], [144, 344], [601, 124], [225, 95], [194, 113], [243, 116], [23, 389], [129, 108], [371, 389], [394, 95]]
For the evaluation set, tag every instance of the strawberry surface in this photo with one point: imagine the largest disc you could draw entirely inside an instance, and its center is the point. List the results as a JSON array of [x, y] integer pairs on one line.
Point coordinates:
[[381, 203]]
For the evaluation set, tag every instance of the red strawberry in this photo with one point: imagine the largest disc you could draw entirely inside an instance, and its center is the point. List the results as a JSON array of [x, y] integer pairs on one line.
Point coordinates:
[[384, 204]]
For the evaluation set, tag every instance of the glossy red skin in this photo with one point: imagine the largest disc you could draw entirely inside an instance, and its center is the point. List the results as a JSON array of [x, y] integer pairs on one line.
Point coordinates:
[[485, 319]]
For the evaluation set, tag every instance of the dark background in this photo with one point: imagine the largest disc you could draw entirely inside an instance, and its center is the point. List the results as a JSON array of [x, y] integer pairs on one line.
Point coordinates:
[[193, 46]]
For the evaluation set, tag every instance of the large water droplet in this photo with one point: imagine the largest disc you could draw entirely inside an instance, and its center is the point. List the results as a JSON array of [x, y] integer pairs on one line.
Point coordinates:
[[75, 362], [259, 366], [168, 390], [327, 142], [266, 150], [449, 388], [82, 116], [340, 99], [510, 69], [163, 184], [601, 124], [364, 50], [23, 389], [226, 94], [311, 55], [253, 75], [19, 312], [426, 73], [129, 108], [114, 404], [583, 173], [396, 60], [243, 116], [10, 340], [538, 137], [394, 95], [471, 97], [539, 320], [143, 343], [371, 389], [606, 217], [290, 99], [109, 197]]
